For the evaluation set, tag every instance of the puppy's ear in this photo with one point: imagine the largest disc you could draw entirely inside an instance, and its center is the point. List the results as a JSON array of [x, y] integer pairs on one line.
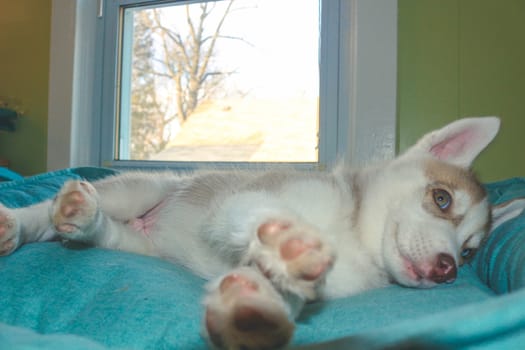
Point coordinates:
[[459, 142]]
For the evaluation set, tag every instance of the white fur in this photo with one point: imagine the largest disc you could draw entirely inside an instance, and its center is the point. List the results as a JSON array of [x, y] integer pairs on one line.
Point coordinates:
[[369, 226]]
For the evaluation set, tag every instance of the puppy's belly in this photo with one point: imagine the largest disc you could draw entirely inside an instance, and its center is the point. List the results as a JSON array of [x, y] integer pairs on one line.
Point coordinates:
[[176, 232], [146, 222]]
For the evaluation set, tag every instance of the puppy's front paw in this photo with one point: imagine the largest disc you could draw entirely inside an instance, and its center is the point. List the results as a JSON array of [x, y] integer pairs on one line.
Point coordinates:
[[74, 209], [244, 312], [293, 256], [9, 232]]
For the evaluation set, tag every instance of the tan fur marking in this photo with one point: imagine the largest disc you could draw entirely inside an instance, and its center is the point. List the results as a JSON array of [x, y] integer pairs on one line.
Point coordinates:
[[455, 178], [452, 179]]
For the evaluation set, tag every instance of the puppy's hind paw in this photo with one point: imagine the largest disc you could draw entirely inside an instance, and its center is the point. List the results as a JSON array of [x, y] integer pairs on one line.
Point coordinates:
[[9, 232], [244, 312], [74, 208]]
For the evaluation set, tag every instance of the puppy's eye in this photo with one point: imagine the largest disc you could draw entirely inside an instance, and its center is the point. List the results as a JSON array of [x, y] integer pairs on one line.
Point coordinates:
[[442, 198], [468, 253]]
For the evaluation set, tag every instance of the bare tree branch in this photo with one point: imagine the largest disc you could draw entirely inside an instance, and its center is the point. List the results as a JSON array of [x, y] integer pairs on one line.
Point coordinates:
[[182, 58]]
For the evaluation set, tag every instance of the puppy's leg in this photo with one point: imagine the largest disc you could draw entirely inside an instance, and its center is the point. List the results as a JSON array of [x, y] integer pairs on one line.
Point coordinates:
[[244, 311], [258, 229], [131, 194], [77, 216], [24, 225], [121, 198]]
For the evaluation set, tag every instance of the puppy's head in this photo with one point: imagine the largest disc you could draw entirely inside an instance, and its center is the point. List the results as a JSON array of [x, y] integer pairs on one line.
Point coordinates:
[[435, 224], [436, 213]]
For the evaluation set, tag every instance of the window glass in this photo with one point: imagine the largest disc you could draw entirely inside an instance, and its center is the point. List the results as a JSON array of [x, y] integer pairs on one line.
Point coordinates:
[[231, 81]]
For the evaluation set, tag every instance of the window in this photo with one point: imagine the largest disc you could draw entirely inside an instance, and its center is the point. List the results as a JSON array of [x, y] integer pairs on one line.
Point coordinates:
[[93, 78], [221, 81], [212, 81]]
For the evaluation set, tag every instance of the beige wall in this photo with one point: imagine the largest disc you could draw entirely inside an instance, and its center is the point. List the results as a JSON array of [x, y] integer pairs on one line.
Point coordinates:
[[24, 67]]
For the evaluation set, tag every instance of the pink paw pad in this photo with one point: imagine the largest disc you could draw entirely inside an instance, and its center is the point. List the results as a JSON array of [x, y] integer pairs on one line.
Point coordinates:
[[294, 247], [74, 207], [305, 254], [71, 204], [246, 315], [5, 225], [8, 238], [232, 288], [242, 284], [269, 231]]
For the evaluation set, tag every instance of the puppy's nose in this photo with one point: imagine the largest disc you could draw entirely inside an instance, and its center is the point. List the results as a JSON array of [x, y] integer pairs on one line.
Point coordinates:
[[445, 269]]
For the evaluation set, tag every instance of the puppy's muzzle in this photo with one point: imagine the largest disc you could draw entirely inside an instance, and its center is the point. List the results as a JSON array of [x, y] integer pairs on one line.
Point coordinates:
[[444, 270]]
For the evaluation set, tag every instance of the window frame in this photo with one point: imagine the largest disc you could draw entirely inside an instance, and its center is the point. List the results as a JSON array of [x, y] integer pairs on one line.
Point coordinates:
[[358, 85]]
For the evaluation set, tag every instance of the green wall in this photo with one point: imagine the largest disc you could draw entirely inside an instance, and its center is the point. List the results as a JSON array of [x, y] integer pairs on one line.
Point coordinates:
[[24, 73], [461, 58]]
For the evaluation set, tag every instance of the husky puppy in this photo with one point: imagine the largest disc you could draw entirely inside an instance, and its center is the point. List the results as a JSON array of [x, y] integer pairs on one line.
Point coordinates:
[[272, 240]]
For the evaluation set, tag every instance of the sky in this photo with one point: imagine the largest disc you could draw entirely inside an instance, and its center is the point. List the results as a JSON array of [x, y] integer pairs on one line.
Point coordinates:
[[282, 60]]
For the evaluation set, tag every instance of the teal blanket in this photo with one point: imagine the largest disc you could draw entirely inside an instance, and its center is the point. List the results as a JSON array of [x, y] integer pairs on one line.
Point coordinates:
[[55, 297]]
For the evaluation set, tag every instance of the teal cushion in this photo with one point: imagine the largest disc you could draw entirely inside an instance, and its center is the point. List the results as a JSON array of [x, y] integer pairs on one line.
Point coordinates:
[[386, 306], [495, 324], [125, 300], [26, 191], [501, 262], [8, 175], [18, 338], [115, 298]]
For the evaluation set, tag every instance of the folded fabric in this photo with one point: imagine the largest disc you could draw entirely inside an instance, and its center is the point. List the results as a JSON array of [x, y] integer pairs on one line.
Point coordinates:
[[126, 300], [497, 323], [8, 175], [23, 192], [18, 338], [501, 262]]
